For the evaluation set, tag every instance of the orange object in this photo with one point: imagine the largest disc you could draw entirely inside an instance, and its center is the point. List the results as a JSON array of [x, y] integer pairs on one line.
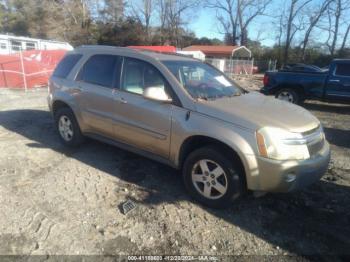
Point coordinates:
[[38, 67], [261, 145]]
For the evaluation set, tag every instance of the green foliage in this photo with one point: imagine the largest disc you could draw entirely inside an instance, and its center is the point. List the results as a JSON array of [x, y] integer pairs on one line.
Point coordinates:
[[78, 23], [124, 33], [345, 53], [314, 55]]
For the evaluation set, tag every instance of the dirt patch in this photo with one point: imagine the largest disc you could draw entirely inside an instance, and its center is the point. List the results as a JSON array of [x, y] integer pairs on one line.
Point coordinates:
[[55, 200]]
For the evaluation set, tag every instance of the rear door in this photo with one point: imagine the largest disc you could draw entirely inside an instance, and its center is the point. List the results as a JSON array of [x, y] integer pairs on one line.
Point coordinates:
[[338, 86], [142, 122], [96, 99]]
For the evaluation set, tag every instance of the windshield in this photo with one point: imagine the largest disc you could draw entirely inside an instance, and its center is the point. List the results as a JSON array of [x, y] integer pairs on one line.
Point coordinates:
[[201, 80]]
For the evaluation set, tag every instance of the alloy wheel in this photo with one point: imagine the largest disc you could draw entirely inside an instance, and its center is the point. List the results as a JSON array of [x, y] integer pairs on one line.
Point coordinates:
[[286, 96], [209, 179], [65, 128]]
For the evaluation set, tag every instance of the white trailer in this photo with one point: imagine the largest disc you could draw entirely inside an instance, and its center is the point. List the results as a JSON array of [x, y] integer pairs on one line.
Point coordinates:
[[195, 54], [10, 44]]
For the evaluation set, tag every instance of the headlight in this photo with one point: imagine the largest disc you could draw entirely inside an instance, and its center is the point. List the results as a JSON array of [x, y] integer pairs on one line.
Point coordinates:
[[279, 144]]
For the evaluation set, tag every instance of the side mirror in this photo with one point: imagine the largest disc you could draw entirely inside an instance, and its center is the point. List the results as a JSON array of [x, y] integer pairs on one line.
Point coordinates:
[[157, 93]]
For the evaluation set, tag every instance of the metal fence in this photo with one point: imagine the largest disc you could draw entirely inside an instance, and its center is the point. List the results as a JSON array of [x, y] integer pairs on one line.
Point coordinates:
[[261, 66], [242, 67], [231, 66]]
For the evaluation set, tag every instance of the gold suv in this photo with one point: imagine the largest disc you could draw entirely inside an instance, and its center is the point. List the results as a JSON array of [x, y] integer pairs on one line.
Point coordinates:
[[187, 114]]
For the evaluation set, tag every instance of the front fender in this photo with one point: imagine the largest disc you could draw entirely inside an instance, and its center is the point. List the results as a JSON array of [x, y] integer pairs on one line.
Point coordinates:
[[240, 139]]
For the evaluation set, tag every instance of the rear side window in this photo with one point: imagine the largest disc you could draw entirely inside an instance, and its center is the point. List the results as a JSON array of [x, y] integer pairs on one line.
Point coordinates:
[[343, 70], [66, 65], [100, 70]]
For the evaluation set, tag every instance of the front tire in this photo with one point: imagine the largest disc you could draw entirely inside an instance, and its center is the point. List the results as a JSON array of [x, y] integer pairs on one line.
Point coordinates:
[[68, 128], [212, 179]]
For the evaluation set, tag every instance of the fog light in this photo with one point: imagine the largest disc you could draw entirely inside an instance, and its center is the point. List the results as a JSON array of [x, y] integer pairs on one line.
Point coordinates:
[[290, 178]]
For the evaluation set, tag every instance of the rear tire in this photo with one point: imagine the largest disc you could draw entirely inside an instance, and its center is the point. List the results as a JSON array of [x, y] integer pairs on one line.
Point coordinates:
[[212, 179], [68, 128], [288, 95]]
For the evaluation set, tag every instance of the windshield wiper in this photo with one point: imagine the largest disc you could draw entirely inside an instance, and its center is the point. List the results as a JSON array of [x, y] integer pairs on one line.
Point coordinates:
[[203, 98], [236, 94], [228, 96]]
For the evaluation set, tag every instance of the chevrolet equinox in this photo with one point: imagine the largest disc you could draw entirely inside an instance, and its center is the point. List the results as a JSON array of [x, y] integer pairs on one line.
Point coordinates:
[[187, 114]]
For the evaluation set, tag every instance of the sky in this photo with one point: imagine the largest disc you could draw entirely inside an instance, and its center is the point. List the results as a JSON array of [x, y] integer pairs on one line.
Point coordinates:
[[206, 25], [203, 22]]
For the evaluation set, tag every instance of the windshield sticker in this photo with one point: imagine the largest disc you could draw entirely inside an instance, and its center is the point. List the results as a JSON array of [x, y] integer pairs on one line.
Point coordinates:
[[222, 80]]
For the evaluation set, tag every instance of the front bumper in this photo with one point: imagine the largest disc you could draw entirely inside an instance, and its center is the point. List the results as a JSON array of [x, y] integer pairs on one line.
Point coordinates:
[[286, 176]]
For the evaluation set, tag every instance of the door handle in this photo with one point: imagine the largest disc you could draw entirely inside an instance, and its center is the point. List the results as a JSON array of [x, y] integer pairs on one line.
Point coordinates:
[[77, 89], [123, 101], [334, 80]]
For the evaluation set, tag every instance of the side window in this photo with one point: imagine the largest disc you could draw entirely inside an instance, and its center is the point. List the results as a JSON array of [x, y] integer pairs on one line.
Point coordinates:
[[30, 46], [66, 65], [16, 45], [343, 70], [99, 70], [139, 75], [299, 69]]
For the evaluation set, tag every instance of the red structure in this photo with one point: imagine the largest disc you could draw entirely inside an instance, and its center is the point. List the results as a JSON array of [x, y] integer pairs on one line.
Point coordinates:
[[37, 65], [162, 49]]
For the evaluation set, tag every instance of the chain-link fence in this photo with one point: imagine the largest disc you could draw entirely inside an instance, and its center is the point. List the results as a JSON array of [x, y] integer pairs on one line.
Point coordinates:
[[231, 66], [261, 66]]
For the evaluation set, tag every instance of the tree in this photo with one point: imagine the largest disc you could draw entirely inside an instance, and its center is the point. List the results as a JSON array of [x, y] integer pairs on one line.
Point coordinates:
[[76, 21], [247, 11], [345, 38], [314, 17], [143, 13], [227, 15], [113, 10], [335, 15], [295, 6], [126, 32], [172, 15]]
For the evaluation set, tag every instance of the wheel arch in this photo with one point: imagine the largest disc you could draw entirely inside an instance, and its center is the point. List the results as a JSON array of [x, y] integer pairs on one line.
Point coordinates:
[[198, 141], [299, 89], [62, 103], [58, 104]]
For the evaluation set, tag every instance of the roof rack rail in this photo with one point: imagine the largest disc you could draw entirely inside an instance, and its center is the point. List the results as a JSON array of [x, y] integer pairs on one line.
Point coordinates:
[[160, 52]]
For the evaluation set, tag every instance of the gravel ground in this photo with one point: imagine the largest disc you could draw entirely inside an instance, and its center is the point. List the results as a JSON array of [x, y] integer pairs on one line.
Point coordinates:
[[55, 200]]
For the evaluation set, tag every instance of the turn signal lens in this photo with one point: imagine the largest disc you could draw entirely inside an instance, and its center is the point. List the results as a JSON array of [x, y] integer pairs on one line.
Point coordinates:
[[261, 144]]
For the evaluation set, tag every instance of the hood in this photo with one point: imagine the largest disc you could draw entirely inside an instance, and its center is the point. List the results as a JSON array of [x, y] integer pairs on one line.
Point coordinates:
[[254, 110]]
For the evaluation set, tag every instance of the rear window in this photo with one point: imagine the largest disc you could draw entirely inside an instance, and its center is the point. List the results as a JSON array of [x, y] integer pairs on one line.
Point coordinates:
[[343, 70], [66, 65], [99, 70]]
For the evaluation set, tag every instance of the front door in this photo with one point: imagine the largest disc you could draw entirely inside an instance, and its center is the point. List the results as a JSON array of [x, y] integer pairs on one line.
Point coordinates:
[[142, 122]]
